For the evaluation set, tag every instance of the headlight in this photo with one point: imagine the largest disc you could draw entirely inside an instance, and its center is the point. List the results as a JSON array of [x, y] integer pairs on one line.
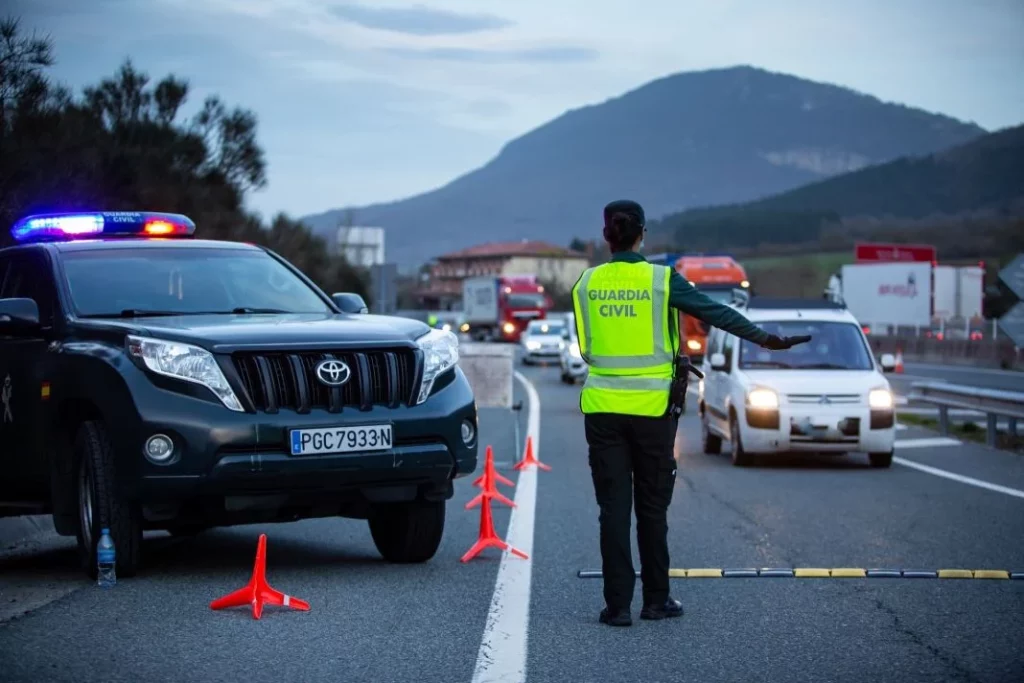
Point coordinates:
[[509, 328], [440, 354], [465, 327], [763, 399], [186, 362], [446, 327], [880, 398], [574, 350], [532, 345], [693, 345]]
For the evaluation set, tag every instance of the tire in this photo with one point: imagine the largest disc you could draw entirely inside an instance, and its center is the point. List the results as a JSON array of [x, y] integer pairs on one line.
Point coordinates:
[[99, 504], [567, 379], [407, 533], [880, 460], [740, 458], [712, 443]]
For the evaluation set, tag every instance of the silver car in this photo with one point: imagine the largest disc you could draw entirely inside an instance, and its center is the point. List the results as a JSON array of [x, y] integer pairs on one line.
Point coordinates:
[[573, 367], [542, 340]]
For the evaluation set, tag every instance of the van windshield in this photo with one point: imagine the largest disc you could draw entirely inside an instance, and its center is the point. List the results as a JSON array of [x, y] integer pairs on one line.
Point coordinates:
[[835, 346]]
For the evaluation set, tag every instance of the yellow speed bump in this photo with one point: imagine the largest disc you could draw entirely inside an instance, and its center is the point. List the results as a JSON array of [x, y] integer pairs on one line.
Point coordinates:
[[677, 573], [956, 574], [704, 573], [991, 574], [848, 573], [811, 573]]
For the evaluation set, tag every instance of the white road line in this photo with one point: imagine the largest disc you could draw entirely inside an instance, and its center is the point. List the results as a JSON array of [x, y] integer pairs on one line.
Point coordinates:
[[960, 478], [502, 655], [930, 442]]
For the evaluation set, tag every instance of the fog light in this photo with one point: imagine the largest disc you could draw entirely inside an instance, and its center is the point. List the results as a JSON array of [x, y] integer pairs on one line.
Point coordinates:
[[159, 448], [468, 432], [693, 345]]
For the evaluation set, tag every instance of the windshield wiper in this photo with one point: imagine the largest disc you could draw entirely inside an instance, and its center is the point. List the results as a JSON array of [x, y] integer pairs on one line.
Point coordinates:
[[767, 364], [824, 366], [242, 310], [137, 313]]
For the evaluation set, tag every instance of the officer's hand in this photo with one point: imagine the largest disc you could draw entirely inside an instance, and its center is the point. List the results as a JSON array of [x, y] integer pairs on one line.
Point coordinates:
[[776, 343]]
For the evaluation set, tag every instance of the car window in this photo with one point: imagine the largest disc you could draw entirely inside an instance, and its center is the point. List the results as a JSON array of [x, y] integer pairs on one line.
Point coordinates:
[[527, 300], [28, 276], [545, 327], [727, 348], [186, 280], [834, 346], [714, 342]]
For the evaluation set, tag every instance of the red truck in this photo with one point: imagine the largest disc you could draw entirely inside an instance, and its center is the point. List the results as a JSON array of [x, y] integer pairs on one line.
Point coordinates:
[[499, 308]]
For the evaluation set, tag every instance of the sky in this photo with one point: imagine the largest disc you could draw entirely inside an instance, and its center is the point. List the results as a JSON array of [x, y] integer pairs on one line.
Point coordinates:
[[366, 102]]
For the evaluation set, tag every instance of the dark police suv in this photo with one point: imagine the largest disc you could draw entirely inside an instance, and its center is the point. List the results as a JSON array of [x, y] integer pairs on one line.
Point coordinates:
[[151, 380]]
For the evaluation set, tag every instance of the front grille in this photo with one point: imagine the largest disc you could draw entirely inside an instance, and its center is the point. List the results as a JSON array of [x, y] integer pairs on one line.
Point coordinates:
[[823, 399], [287, 380]]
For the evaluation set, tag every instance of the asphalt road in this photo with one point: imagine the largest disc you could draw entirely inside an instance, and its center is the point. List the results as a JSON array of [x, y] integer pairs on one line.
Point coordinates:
[[448, 621]]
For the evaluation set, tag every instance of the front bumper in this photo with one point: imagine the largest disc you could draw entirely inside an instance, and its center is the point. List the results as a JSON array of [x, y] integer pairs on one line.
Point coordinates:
[[572, 366], [220, 453], [835, 429]]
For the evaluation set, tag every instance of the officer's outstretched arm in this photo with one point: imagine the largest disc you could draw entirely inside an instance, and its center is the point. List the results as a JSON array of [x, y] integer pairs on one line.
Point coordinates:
[[685, 297]]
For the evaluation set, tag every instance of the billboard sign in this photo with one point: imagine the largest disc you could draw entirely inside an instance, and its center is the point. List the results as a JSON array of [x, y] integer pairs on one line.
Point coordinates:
[[876, 251]]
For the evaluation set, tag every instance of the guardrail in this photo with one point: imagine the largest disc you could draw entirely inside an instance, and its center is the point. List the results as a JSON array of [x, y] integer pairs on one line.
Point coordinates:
[[983, 353], [993, 402]]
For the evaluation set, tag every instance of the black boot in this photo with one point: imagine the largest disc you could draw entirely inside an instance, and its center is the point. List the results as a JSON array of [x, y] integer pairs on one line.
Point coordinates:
[[671, 608], [616, 617]]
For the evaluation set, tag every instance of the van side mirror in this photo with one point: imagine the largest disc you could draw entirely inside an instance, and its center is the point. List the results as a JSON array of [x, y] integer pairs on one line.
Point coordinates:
[[349, 302], [18, 315], [718, 361], [888, 362]]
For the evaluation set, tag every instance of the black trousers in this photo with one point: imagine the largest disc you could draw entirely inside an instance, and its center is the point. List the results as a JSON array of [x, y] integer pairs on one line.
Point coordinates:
[[632, 458]]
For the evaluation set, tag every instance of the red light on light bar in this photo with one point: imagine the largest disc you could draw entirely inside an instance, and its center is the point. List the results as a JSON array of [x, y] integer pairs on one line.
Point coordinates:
[[160, 228]]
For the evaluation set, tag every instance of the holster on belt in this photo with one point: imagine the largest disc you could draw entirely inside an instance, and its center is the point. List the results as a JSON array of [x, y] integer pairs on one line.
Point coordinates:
[[677, 391]]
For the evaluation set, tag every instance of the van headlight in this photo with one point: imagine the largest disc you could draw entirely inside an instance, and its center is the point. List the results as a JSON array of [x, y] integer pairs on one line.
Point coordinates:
[[440, 354], [574, 350], [880, 399], [763, 399], [185, 362]]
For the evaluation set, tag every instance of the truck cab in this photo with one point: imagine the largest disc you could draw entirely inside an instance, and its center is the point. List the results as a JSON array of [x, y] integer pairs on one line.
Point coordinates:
[[716, 277], [499, 308]]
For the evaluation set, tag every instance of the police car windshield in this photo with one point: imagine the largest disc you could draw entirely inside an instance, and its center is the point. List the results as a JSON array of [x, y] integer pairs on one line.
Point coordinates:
[[171, 281], [835, 346]]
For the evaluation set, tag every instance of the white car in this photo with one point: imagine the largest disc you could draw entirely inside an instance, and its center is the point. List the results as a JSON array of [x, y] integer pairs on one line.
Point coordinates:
[[826, 396], [573, 367], [542, 340]]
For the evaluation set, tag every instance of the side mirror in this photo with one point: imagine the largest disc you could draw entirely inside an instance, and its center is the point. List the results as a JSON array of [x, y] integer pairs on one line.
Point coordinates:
[[18, 314], [718, 361], [349, 302], [888, 362]]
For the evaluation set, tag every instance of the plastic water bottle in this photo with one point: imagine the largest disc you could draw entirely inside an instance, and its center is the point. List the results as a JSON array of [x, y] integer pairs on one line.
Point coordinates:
[[105, 560]]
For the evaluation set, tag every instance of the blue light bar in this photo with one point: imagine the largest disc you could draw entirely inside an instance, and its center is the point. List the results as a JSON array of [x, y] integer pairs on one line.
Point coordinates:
[[64, 226]]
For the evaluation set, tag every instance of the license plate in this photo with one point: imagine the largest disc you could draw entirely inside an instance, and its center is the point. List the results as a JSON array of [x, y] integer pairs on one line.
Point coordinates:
[[354, 439]]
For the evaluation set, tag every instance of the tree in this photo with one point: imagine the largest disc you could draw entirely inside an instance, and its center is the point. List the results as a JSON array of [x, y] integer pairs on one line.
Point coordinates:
[[122, 145]]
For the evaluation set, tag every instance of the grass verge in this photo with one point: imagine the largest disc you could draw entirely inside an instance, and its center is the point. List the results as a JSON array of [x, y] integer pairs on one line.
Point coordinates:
[[967, 431]]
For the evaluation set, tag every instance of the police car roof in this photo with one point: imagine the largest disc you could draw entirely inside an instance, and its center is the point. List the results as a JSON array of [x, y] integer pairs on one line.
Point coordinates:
[[148, 243]]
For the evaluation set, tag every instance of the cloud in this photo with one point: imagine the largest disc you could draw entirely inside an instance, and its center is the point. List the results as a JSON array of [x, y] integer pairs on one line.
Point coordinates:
[[535, 54], [418, 20]]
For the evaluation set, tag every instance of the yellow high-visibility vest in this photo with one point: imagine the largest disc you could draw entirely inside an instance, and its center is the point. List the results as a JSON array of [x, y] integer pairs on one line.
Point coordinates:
[[627, 336]]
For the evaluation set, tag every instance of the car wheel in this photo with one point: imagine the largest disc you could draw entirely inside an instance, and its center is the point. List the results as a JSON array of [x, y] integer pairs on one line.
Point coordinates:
[[408, 532], [712, 442], [100, 505], [880, 459], [740, 458]]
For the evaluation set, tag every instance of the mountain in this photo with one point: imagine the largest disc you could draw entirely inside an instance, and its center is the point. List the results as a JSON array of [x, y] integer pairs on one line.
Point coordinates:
[[984, 175], [692, 139]]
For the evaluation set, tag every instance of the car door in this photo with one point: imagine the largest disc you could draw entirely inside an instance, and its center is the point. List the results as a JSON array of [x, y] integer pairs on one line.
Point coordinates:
[[27, 274], [712, 378], [727, 381]]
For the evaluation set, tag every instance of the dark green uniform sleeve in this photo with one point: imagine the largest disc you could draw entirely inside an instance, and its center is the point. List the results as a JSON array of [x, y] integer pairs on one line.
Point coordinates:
[[685, 297]]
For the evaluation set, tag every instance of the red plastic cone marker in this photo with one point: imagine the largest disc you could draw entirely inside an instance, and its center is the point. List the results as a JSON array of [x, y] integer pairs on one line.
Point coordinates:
[[492, 494], [529, 460], [490, 471], [488, 537], [258, 592]]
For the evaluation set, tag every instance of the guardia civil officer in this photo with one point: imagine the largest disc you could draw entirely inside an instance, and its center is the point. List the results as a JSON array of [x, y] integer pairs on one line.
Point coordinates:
[[629, 337]]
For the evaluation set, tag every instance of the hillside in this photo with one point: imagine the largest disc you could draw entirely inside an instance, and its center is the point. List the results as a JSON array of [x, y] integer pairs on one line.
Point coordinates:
[[984, 175], [692, 139]]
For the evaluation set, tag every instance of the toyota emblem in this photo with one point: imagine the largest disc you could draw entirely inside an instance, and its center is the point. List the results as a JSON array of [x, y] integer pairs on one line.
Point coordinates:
[[333, 373]]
